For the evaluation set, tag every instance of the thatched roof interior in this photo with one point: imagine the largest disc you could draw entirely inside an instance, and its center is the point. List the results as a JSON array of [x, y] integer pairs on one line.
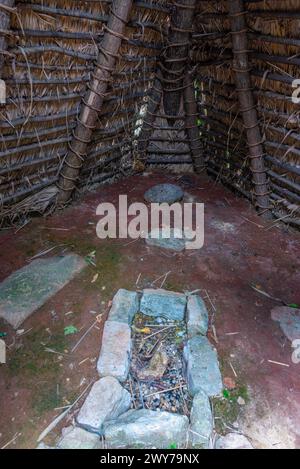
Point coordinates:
[[48, 49]]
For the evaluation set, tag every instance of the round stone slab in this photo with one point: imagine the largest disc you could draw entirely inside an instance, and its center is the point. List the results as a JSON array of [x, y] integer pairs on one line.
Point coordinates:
[[164, 193], [165, 238]]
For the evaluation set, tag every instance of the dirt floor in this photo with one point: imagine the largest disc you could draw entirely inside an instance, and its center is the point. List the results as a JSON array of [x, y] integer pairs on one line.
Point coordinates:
[[42, 375]]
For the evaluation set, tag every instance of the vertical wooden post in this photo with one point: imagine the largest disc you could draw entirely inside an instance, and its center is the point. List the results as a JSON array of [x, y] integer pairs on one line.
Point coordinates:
[[93, 100], [191, 115], [154, 100], [5, 8], [175, 55], [248, 110]]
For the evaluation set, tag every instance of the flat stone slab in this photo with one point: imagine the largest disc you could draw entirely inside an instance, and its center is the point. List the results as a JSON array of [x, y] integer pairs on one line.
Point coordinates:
[[172, 239], [125, 305], [106, 401], [201, 421], [27, 289], [164, 304], [77, 438], [202, 367], [289, 320], [114, 359], [197, 316], [233, 441], [164, 193], [147, 429]]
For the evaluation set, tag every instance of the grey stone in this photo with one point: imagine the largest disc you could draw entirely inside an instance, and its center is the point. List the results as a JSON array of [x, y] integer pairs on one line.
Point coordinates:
[[164, 238], [43, 446], [114, 359], [125, 305], [27, 289], [289, 320], [147, 429], [201, 421], [156, 367], [164, 193], [106, 401], [163, 303], [78, 438], [202, 367], [233, 441], [197, 316]]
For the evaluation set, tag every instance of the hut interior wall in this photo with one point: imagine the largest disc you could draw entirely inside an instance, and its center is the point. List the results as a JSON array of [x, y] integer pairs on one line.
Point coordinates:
[[273, 40], [51, 48]]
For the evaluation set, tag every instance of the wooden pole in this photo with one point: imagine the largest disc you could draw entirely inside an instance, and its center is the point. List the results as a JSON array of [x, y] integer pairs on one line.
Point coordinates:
[[248, 110], [93, 100], [154, 101], [191, 116], [175, 54], [5, 7]]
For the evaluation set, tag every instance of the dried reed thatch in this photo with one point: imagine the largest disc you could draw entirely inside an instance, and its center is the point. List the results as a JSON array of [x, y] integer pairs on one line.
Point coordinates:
[[150, 113]]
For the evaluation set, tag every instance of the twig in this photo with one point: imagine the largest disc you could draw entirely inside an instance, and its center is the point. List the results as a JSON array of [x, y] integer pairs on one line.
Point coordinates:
[[268, 296], [58, 419], [165, 390], [11, 441], [131, 392], [233, 370], [279, 363], [186, 410], [215, 334], [158, 332], [253, 222], [158, 278], [84, 360], [47, 349], [86, 333], [22, 226], [208, 297], [138, 279], [165, 278], [43, 253]]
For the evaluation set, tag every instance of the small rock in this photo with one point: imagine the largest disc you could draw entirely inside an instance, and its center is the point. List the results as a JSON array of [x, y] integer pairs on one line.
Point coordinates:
[[289, 320], [201, 421], [197, 316], [106, 401], [114, 359], [78, 438], [164, 193], [157, 366], [241, 401], [163, 303], [172, 239], [202, 367], [124, 306], [147, 429], [233, 441]]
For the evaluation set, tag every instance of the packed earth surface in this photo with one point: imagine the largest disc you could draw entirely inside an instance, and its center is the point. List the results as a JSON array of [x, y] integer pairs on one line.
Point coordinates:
[[246, 268]]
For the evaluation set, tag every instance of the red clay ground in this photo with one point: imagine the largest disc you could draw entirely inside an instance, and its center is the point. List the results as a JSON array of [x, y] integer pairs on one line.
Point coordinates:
[[239, 251]]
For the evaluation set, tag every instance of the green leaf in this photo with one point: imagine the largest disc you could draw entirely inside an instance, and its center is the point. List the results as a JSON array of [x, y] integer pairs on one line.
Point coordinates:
[[70, 330], [226, 394], [294, 305]]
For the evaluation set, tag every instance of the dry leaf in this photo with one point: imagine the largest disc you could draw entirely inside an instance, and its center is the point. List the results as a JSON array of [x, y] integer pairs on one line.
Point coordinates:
[[95, 278]]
